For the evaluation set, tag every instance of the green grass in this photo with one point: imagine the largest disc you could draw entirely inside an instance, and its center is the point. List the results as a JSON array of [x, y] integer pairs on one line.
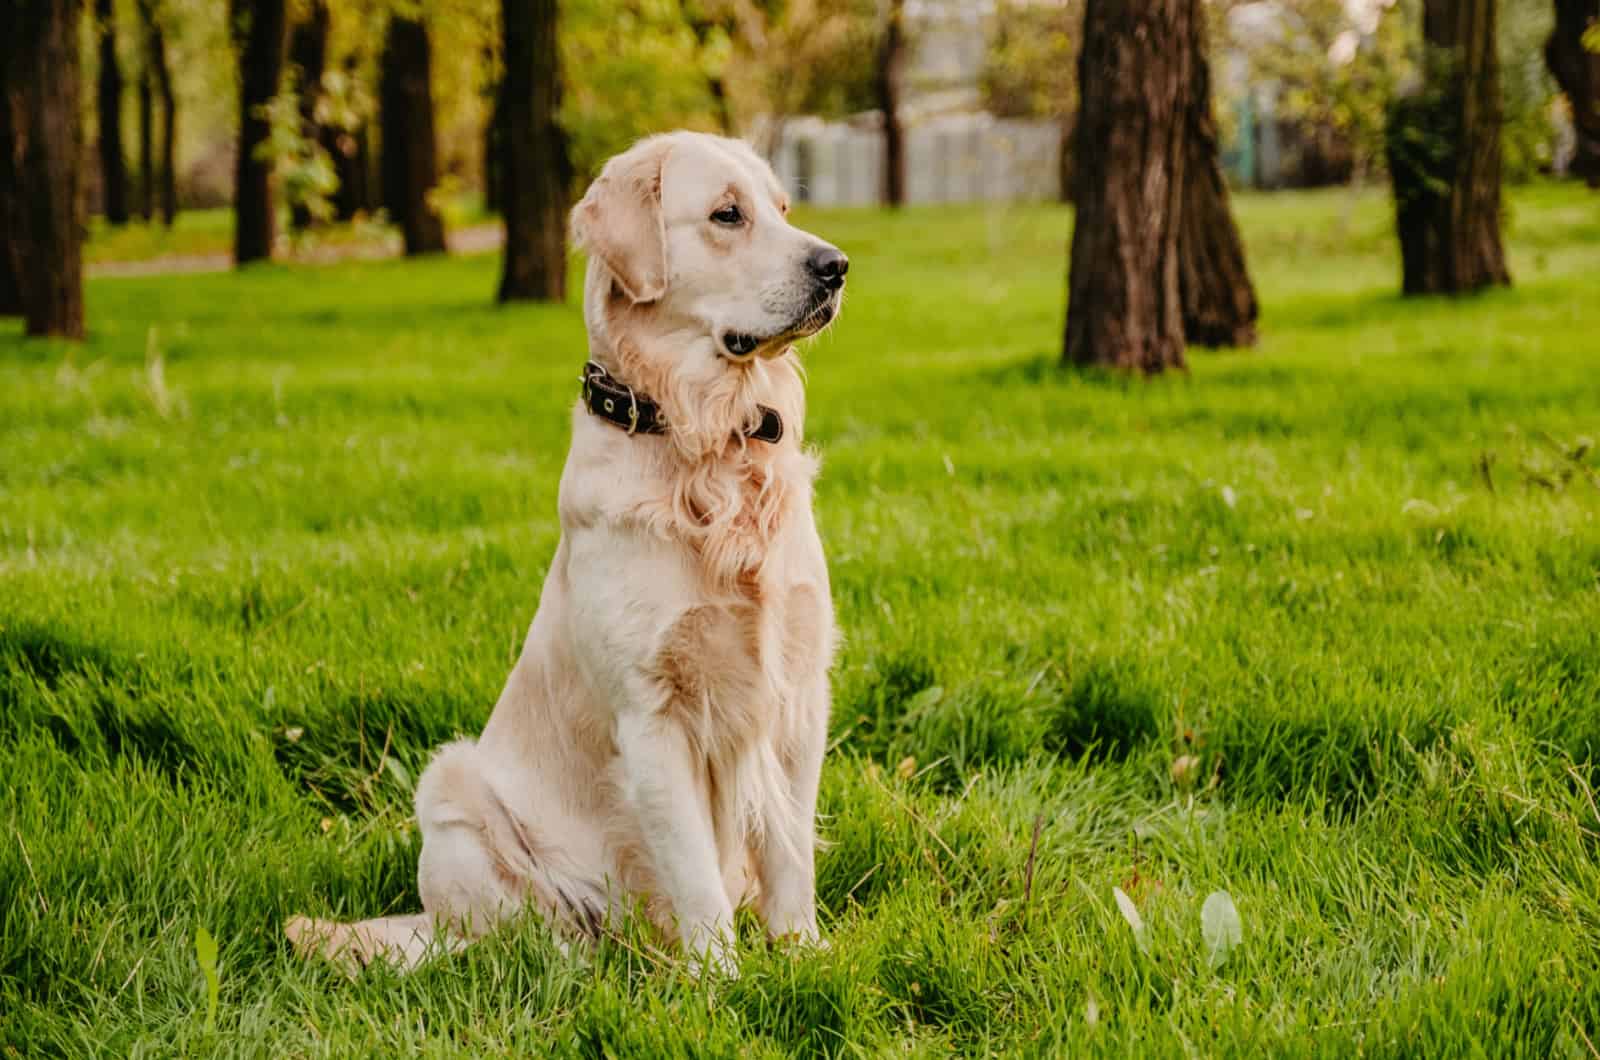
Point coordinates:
[[209, 233], [267, 539]]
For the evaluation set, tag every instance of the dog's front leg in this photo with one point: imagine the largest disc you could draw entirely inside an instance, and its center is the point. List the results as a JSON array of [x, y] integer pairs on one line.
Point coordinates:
[[667, 795], [786, 855]]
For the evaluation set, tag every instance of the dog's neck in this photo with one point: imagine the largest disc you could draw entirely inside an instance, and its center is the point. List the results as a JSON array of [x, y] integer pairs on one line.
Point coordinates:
[[723, 494], [710, 403]]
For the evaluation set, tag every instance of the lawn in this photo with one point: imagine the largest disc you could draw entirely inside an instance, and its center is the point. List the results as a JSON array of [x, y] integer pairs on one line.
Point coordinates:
[[1317, 626]]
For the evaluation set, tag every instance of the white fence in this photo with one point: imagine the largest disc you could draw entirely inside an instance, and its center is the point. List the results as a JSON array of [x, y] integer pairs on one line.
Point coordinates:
[[950, 158]]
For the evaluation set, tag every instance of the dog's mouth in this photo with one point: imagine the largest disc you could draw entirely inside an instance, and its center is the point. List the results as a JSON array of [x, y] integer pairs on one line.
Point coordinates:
[[742, 345]]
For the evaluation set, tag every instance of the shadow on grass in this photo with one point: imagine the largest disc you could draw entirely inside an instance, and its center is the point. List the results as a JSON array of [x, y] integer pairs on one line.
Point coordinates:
[[93, 701]]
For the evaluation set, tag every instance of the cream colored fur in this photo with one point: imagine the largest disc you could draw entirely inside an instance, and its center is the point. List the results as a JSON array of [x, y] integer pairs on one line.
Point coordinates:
[[659, 742]]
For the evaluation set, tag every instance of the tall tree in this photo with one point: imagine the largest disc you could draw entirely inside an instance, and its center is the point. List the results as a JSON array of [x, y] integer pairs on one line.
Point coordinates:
[[405, 111], [1219, 302], [891, 61], [1576, 69], [10, 297], [1444, 155], [108, 111], [1124, 306], [260, 28], [147, 191], [158, 77], [535, 175], [308, 56], [41, 227], [349, 144]]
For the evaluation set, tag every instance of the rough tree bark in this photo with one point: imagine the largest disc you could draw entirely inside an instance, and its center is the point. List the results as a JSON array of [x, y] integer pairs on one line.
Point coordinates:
[[308, 54], [1124, 307], [1219, 303], [259, 28], [160, 76], [108, 112], [405, 111], [41, 226], [536, 173], [1443, 146], [1577, 70], [891, 60]]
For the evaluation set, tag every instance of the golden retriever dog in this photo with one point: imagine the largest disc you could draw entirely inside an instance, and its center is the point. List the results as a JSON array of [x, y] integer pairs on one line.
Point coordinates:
[[659, 742]]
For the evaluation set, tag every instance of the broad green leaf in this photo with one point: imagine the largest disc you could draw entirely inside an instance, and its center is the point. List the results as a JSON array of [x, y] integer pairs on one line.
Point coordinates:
[[1220, 926], [205, 953]]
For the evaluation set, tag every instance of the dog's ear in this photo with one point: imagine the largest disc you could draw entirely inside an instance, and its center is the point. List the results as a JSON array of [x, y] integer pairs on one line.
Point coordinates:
[[619, 221]]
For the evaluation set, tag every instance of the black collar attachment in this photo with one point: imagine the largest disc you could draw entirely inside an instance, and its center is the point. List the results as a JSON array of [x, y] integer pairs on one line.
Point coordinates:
[[619, 404]]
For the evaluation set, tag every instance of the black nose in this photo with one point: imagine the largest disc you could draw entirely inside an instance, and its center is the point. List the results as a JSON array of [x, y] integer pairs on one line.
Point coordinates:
[[828, 265]]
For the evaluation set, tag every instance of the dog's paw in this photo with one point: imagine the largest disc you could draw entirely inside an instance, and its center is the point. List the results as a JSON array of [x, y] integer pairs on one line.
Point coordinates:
[[717, 961]]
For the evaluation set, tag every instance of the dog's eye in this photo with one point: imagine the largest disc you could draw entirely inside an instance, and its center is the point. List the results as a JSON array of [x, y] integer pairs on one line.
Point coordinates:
[[728, 215]]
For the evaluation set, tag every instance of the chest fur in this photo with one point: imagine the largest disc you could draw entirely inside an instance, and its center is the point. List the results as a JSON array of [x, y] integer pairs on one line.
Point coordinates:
[[732, 671]]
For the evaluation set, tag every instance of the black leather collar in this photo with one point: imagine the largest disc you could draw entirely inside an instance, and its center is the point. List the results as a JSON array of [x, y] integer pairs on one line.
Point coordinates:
[[620, 404]]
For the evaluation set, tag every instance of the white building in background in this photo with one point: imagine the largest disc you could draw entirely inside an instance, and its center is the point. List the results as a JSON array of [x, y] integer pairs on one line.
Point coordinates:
[[955, 151]]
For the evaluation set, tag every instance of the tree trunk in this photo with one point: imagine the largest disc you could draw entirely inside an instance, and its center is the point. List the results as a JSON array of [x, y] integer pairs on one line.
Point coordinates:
[[1219, 303], [352, 162], [147, 190], [891, 59], [352, 159], [41, 224], [259, 28], [535, 175], [10, 297], [1444, 156], [1577, 70], [156, 58], [308, 54], [1124, 307], [405, 109], [108, 112]]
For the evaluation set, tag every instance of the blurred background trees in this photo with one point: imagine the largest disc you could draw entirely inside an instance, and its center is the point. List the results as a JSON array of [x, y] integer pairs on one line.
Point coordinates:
[[300, 114], [1444, 152], [41, 236], [1572, 53]]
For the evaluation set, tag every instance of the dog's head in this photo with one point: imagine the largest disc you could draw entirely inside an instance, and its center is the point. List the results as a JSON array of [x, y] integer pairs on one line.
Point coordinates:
[[688, 236]]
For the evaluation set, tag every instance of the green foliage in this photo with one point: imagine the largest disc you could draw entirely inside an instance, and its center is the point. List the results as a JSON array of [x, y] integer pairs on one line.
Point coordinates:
[[1340, 576], [305, 173], [1331, 71], [1526, 88], [1338, 73], [631, 70], [1032, 67]]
